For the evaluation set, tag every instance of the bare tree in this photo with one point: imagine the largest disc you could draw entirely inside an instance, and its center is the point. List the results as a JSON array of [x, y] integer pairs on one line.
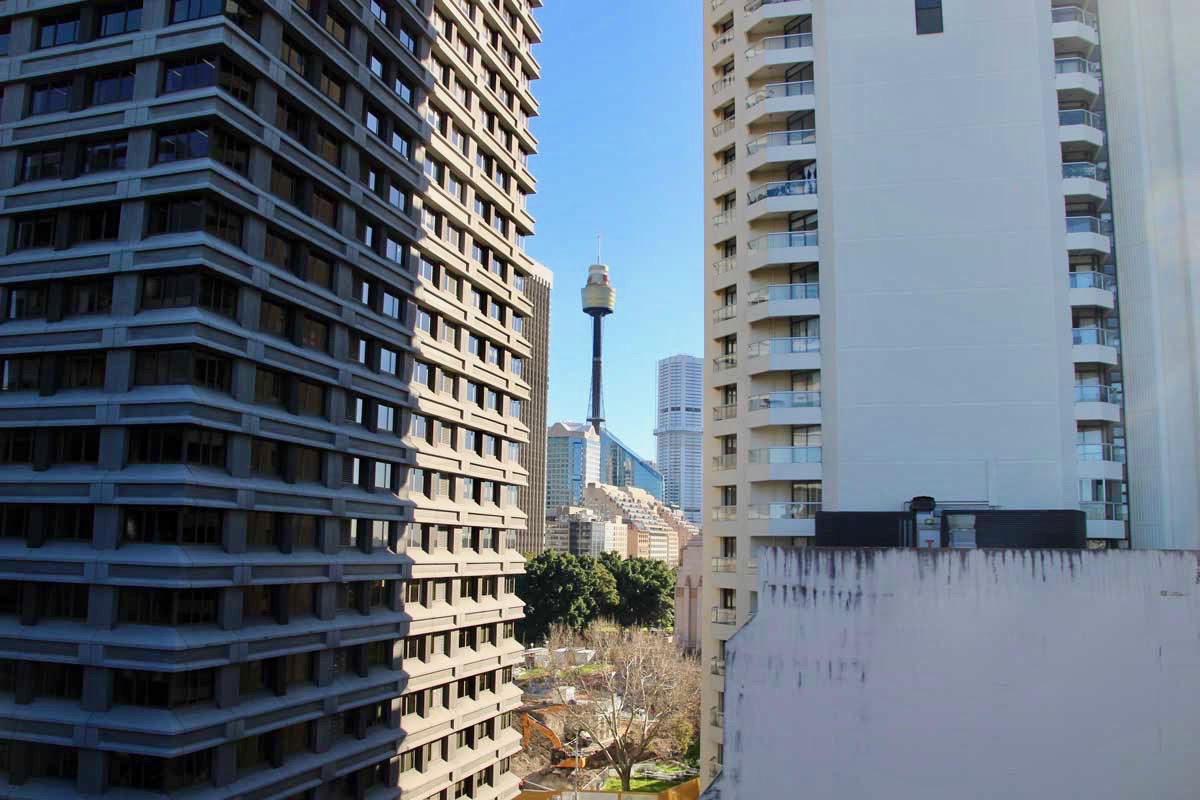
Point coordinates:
[[639, 697]]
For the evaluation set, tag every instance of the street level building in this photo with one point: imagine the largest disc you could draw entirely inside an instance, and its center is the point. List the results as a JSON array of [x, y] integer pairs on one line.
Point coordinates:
[[584, 532]]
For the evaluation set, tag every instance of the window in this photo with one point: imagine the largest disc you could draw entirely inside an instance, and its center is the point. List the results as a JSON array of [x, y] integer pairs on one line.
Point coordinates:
[[272, 318], [929, 16], [5, 35], [314, 334], [118, 19], [181, 215], [112, 87], [328, 147], [182, 367], [182, 145], [16, 446], [160, 525], [149, 445], [49, 98], [289, 119], [190, 73], [293, 55], [163, 689], [338, 29], [324, 208], [58, 31], [268, 387], [99, 223], [332, 88], [82, 371], [38, 165], [104, 155], [36, 231], [183, 289], [244, 16], [408, 40]]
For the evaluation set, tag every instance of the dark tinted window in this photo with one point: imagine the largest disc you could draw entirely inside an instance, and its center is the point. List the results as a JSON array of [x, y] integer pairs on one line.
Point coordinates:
[[929, 16]]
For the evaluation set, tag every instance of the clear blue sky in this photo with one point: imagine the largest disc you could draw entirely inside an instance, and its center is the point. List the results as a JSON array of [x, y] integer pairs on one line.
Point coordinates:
[[620, 137]]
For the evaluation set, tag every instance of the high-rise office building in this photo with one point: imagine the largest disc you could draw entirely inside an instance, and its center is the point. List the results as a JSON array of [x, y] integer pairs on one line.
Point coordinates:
[[621, 466], [532, 496], [263, 374], [911, 272], [679, 432], [572, 463]]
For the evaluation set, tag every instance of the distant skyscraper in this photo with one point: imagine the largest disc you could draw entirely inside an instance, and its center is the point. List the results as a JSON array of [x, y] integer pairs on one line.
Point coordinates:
[[679, 431], [572, 462], [620, 466], [531, 498]]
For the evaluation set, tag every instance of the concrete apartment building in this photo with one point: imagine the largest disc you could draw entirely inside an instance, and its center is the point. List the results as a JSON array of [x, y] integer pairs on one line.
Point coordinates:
[[532, 496], [679, 432], [913, 257], [585, 532], [655, 530], [265, 328]]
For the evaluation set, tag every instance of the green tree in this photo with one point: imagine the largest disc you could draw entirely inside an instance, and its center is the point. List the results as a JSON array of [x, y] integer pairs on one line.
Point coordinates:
[[559, 589], [647, 590], [608, 599]]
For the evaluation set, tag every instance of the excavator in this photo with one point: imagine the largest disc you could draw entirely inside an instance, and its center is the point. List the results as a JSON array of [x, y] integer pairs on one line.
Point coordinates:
[[559, 757]]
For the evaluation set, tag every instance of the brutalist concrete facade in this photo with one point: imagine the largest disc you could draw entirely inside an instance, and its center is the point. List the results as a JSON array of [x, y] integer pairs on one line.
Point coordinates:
[[532, 500], [263, 286]]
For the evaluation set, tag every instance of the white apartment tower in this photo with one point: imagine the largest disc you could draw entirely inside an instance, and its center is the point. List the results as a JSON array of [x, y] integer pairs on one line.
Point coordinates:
[[679, 432], [913, 258]]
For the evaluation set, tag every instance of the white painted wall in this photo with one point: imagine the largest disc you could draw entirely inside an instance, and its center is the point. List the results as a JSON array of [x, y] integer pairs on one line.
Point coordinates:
[[946, 364], [966, 674]]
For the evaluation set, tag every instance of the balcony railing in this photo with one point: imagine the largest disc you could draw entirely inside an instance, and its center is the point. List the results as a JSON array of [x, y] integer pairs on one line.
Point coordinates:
[[1100, 452], [724, 564], [723, 171], [725, 412], [1100, 336], [786, 42], [715, 4], [790, 344], [722, 313], [722, 265], [725, 461], [763, 402], [1080, 116], [1075, 64], [1074, 14], [1103, 510], [1084, 169], [728, 361], [774, 241], [1097, 393], [754, 5], [1090, 280], [784, 455], [784, 291], [724, 513], [724, 217], [782, 189], [722, 127], [769, 511], [1089, 225], [717, 717], [773, 90], [724, 616], [721, 41], [752, 566], [781, 139], [722, 83], [716, 665]]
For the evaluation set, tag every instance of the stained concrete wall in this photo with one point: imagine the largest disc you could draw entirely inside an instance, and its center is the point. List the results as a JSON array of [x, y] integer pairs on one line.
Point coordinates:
[[952, 674]]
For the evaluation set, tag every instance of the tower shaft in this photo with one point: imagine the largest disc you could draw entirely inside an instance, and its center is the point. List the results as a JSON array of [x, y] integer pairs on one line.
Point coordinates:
[[597, 369]]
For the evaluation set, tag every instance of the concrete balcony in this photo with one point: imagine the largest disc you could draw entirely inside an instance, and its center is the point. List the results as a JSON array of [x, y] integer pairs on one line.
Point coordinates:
[[789, 354], [1105, 520], [784, 464], [724, 462], [1092, 290], [724, 564], [783, 300], [724, 616], [723, 173], [723, 128], [765, 14], [1097, 403], [772, 103], [722, 85], [1084, 181], [788, 247], [780, 147], [771, 56], [779, 198], [1077, 78], [1100, 462], [1094, 346], [1078, 126], [716, 717], [782, 519], [724, 317], [716, 665], [723, 265], [784, 408], [722, 42], [1074, 28], [724, 514], [725, 412], [1089, 235], [725, 362]]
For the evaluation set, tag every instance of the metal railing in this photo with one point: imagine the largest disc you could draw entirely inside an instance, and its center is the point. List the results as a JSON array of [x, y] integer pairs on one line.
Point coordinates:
[[725, 412], [787, 41], [784, 291], [1100, 336], [771, 511], [773, 90], [1100, 452], [1090, 280], [1074, 64], [715, 4], [717, 717], [723, 171], [781, 139], [724, 616], [1104, 510], [721, 41], [1084, 169], [764, 402], [724, 564], [774, 241], [724, 362], [723, 264], [1074, 14], [723, 126], [722, 313], [782, 189], [722, 83], [752, 565], [1089, 225], [724, 513], [784, 455], [789, 344], [716, 665], [754, 5], [723, 217], [1080, 116], [1097, 393], [725, 461]]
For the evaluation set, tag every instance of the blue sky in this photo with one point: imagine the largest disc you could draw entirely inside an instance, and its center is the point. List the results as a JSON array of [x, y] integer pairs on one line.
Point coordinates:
[[620, 141]]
